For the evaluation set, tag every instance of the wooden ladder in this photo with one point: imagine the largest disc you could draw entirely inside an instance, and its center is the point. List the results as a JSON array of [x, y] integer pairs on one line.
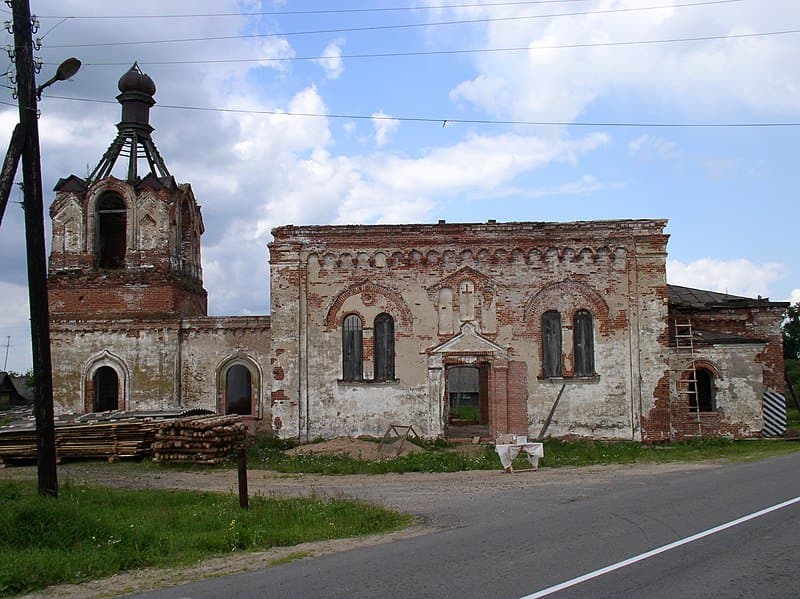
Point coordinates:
[[687, 377]]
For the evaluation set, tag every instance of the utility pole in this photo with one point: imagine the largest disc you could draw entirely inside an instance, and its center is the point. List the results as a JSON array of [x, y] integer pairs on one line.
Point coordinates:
[[34, 238]]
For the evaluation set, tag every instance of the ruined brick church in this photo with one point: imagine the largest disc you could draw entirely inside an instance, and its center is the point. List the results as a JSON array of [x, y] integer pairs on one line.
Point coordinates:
[[456, 329]]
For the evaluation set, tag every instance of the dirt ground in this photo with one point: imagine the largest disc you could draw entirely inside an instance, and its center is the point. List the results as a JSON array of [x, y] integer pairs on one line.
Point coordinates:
[[358, 448], [428, 496]]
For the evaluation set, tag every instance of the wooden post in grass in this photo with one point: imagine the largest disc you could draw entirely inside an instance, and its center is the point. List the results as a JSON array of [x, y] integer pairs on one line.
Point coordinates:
[[242, 462]]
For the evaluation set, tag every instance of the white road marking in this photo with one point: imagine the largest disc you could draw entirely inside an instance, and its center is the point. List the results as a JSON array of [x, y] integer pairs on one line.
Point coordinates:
[[643, 556]]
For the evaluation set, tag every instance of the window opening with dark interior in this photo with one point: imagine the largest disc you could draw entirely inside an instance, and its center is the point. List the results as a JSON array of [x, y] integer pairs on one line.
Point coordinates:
[[238, 391], [467, 392], [384, 347], [704, 395], [352, 353], [106, 389], [583, 343], [551, 344], [111, 230]]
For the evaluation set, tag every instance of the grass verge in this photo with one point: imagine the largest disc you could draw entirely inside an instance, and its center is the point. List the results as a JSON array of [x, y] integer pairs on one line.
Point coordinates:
[[90, 533], [270, 454]]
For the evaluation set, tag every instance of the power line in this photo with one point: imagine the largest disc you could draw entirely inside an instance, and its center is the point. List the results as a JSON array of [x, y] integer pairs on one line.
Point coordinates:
[[396, 26], [461, 51], [446, 121], [310, 12]]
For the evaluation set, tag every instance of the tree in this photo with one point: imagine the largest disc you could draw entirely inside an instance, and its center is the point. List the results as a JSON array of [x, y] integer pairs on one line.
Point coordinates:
[[791, 332]]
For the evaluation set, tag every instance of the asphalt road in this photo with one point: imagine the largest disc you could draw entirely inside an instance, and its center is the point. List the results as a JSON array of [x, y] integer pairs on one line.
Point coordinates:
[[521, 541]]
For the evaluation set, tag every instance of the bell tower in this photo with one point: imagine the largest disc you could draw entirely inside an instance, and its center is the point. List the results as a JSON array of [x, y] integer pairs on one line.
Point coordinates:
[[126, 247]]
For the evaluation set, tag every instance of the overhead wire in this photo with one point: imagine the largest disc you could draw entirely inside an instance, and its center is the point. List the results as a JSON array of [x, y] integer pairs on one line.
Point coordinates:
[[315, 12], [394, 26], [447, 121], [463, 50]]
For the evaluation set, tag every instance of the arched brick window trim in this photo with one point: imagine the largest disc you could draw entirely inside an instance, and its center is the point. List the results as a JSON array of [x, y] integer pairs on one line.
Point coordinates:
[[705, 395], [383, 334], [111, 231], [403, 314], [352, 348], [551, 344], [95, 363], [583, 342], [551, 297], [241, 358], [110, 186]]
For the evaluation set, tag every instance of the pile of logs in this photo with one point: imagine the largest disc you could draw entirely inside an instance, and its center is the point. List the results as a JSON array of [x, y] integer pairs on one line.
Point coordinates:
[[200, 440]]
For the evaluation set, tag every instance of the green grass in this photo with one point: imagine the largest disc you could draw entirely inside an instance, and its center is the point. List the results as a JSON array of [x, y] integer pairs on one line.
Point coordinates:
[[89, 533], [465, 413], [270, 455], [793, 418]]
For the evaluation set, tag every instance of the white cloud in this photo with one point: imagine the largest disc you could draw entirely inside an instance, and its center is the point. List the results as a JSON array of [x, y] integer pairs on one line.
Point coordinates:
[[15, 328], [737, 277], [274, 51], [708, 78], [795, 296], [648, 147], [384, 126], [331, 59]]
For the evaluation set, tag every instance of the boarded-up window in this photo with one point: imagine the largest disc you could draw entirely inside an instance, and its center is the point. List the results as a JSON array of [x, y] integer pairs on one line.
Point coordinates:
[[110, 226], [704, 391], [238, 391], [551, 344], [583, 343], [106, 389], [384, 347], [352, 356]]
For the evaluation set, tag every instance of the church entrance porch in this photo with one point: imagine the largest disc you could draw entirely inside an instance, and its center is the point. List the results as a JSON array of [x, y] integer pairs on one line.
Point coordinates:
[[478, 390]]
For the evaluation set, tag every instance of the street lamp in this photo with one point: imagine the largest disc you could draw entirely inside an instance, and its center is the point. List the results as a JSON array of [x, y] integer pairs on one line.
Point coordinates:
[[64, 71]]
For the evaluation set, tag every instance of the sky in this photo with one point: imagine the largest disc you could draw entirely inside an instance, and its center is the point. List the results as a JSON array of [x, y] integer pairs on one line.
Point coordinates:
[[549, 110]]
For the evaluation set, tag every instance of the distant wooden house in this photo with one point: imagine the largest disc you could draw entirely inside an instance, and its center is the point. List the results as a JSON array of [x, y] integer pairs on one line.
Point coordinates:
[[15, 391]]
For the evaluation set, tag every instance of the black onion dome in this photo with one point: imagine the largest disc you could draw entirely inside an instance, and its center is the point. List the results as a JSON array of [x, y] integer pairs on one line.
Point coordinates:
[[136, 81]]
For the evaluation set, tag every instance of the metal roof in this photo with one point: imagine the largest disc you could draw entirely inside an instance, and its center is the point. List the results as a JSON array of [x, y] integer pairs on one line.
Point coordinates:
[[701, 299]]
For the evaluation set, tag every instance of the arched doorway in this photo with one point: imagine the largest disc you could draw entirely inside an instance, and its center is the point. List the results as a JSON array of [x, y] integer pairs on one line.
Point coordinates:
[[105, 383], [238, 391]]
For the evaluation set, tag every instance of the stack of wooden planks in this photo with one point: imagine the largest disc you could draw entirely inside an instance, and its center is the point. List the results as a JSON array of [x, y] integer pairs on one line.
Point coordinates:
[[17, 445], [112, 440], [200, 440], [123, 438]]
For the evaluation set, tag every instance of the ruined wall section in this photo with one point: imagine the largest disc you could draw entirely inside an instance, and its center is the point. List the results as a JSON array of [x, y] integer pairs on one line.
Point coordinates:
[[287, 279], [649, 335], [207, 345], [737, 388], [161, 274], [501, 277], [144, 355], [161, 364]]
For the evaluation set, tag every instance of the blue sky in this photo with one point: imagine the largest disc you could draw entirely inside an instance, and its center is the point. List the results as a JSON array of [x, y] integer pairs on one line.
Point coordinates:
[[728, 192]]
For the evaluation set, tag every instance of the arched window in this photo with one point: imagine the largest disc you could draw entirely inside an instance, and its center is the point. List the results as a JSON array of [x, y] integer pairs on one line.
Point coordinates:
[[583, 336], [352, 355], [238, 391], [551, 344], [110, 231], [704, 396], [106, 389], [384, 347]]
